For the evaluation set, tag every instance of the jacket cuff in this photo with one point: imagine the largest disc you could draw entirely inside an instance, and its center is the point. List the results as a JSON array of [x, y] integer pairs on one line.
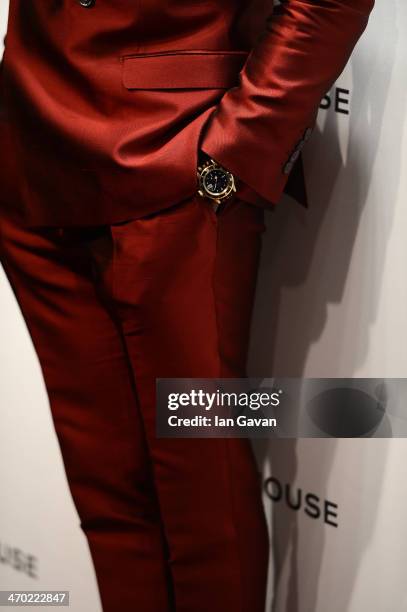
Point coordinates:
[[261, 182]]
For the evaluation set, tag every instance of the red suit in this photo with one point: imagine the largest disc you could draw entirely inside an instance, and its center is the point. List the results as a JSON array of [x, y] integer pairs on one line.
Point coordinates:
[[124, 274], [106, 104]]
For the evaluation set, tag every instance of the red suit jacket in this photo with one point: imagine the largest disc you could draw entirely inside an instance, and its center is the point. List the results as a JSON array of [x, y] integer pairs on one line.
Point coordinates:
[[106, 103]]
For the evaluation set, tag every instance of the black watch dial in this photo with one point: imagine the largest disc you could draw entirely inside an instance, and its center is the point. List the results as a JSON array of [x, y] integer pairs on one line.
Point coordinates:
[[216, 182]]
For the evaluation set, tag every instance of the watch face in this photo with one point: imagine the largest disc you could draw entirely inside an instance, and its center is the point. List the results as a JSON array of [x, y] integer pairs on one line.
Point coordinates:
[[216, 182]]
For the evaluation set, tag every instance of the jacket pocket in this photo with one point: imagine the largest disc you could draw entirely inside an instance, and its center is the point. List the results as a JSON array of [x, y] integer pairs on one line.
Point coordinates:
[[182, 69]]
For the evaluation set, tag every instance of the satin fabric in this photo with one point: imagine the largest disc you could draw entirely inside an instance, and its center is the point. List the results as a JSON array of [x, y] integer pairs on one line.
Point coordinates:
[[172, 524], [104, 110]]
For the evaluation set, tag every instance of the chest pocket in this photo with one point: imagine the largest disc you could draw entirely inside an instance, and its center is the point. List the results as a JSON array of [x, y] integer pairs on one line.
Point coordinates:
[[183, 69]]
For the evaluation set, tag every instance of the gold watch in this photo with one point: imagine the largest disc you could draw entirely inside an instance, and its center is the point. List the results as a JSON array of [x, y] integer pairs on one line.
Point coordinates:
[[215, 182]]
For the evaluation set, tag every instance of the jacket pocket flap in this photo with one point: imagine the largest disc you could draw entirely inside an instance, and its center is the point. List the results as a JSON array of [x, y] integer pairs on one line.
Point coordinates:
[[189, 69]]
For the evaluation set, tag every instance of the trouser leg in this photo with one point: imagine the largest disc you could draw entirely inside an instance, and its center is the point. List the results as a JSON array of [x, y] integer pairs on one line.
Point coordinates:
[[181, 284], [93, 402]]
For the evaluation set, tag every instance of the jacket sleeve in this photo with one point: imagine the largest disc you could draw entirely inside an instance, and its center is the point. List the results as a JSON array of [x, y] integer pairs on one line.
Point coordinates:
[[260, 126]]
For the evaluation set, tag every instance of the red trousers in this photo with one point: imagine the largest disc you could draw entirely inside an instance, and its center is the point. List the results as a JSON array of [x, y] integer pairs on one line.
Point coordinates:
[[172, 524]]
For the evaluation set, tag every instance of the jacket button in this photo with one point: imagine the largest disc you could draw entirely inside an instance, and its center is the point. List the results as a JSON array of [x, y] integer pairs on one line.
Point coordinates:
[[307, 134], [86, 3], [288, 167], [295, 155]]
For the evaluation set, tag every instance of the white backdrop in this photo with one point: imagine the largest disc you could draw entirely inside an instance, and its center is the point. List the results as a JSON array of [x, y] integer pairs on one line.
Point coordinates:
[[331, 302]]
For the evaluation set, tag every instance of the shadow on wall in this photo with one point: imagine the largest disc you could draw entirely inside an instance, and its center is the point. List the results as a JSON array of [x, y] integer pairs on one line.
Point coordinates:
[[305, 264]]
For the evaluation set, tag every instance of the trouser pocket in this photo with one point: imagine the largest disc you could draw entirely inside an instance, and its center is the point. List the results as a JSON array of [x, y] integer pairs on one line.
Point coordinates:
[[101, 250]]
